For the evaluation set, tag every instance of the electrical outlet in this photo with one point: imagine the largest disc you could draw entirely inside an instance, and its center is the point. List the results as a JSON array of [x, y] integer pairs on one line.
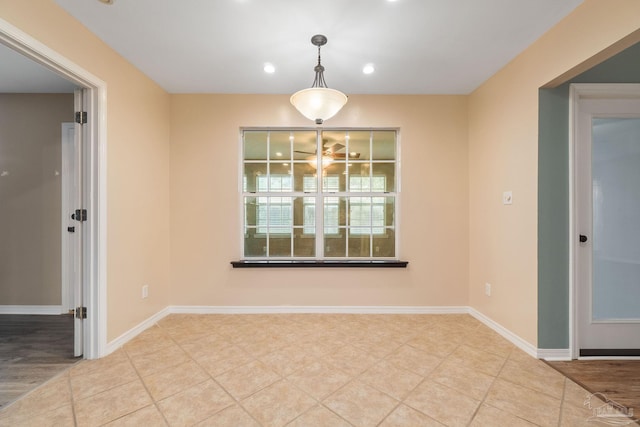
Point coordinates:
[[487, 289], [145, 291]]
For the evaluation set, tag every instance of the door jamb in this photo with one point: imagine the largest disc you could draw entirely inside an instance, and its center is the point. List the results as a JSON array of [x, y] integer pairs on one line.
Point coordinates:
[[67, 298], [577, 92], [95, 337]]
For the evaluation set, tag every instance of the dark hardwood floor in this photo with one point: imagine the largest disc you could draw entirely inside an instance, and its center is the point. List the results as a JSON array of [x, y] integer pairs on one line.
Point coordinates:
[[33, 349], [619, 380]]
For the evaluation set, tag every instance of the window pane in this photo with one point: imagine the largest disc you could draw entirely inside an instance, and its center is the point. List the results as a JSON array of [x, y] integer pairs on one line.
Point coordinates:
[[252, 174], [385, 245], [361, 225], [384, 145], [279, 146], [366, 184], [254, 244], [367, 215], [359, 243], [336, 245], [359, 169], [280, 245], [386, 171], [275, 183], [305, 144], [331, 215], [334, 142], [304, 245], [333, 178], [389, 211], [359, 146], [250, 218], [335, 214], [299, 206], [255, 145], [304, 177]]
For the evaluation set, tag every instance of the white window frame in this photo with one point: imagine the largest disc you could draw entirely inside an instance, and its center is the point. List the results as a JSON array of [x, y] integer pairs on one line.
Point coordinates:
[[320, 197]]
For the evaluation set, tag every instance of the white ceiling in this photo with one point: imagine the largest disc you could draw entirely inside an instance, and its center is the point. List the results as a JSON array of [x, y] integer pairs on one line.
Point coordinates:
[[417, 46]]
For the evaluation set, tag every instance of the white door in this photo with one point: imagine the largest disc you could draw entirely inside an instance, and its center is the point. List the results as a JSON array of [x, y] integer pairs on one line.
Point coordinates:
[[70, 201], [77, 218], [607, 223]]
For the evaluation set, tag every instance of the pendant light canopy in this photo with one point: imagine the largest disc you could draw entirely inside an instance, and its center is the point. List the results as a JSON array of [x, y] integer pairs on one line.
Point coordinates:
[[318, 103]]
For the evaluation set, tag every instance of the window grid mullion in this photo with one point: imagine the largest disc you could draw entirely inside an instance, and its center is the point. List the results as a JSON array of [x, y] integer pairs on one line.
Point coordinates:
[[281, 220], [319, 197], [268, 249]]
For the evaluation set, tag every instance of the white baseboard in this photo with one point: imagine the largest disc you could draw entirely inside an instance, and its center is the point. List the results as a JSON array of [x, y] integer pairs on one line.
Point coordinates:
[[135, 331], [554, 354], [31, 309], [284, 309], [523, 345]]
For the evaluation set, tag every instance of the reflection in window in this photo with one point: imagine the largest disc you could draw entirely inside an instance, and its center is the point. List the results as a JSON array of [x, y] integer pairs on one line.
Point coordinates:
[[344, 210]]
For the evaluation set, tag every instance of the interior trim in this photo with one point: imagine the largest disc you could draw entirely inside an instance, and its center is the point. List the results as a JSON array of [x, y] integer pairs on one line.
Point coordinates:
[[32, 309], [319, 264], [554, 354], [95, 286]]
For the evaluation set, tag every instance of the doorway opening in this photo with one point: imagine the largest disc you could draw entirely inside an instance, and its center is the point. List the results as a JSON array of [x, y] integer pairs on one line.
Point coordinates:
[[90, 323], [605, 208]]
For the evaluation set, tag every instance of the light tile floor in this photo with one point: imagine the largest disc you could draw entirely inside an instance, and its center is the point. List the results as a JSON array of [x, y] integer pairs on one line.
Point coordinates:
[[308, 370]]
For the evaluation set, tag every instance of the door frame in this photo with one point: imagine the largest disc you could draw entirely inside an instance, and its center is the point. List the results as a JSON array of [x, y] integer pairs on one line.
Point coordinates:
[[95, 194], [578, 92], [68, 174]]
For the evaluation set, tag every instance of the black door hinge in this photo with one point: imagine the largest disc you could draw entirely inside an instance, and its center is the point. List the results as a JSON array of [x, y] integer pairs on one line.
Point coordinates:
[[79, 215], [81, 312], [81, 117]]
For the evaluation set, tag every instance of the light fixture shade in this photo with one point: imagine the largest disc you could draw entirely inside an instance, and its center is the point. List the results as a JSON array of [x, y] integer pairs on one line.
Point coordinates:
[[325, 161], [318, 103]]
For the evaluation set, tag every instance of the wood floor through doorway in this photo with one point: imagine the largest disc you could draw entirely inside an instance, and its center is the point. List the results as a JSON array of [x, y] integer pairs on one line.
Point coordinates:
[[619, 380], [33, 349]]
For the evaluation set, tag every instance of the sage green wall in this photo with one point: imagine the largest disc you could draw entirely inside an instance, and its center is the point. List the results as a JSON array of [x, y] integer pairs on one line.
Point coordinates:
[[553, 194]]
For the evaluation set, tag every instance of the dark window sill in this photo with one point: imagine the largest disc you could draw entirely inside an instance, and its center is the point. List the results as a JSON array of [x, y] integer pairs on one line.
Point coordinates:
[[319, 264]]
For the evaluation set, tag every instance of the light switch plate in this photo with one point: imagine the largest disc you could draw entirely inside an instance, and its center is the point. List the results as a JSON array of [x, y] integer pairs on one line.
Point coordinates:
[[507, 198]]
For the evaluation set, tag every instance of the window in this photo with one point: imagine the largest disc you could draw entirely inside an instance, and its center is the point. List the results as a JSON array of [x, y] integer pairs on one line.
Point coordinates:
[[319, 194]]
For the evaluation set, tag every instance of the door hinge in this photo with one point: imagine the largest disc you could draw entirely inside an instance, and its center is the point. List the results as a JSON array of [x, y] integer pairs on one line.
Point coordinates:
[[81, 117], [81, 312], [79, 215]]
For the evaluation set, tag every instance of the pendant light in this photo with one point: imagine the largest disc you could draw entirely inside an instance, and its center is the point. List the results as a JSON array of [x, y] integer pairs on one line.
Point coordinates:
[[318, 103]]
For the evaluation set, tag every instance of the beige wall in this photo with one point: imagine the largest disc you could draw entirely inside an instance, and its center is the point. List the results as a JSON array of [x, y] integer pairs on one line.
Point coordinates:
[[206, 211], [30, 197], [458, 155], [503, 152], [137, 162]]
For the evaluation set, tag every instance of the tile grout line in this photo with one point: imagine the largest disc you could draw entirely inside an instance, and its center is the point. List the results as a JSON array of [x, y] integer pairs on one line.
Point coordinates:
[[73, 402], [484, 398], [153, 400], [564, 392], [211, 378]]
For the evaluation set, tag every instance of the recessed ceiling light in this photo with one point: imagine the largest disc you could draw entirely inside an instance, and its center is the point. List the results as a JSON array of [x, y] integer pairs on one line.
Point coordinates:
[[106, 1], [368, 69], [269, 68], [279, 154]]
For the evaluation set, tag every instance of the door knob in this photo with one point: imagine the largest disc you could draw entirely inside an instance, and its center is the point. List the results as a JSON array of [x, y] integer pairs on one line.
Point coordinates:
[[583, 238]]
